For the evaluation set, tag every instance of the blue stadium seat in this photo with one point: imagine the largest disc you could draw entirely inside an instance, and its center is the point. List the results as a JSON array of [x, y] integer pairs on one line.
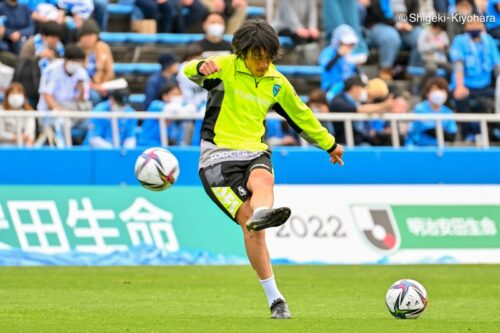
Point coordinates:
[[147, 69], [164, 38], [123, 9], [137, 98], [120, 9], [420, 71]]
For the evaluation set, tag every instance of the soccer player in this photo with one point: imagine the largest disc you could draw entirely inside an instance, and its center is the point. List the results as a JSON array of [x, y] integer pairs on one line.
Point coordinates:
[[235, 164]]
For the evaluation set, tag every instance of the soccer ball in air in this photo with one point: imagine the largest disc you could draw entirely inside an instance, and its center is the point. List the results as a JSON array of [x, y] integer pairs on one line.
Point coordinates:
[[157, 169], [406, 299]]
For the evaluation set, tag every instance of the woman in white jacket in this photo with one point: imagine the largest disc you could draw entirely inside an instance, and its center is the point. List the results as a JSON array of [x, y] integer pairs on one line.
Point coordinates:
[[15, 100]]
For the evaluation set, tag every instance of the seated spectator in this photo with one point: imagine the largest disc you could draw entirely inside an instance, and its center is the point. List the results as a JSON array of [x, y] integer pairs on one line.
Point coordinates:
[[233, 11], [178, 132], [354, 98], [388, 35], [381, 131], [475, 59], [335, 61], [173, 15], [15, 100], [65, 85], [100, 133], [299, 20], [77, 11], [47, 12], [6, 57], [44, 46], [156, 15], [36, 54], [18, 24], [167, 76], [433, 45], [213, 44], [423, 133], [98, 60]]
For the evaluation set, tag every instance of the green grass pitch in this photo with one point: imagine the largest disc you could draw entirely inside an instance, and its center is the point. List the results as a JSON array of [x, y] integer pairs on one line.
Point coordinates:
[[462, 298]]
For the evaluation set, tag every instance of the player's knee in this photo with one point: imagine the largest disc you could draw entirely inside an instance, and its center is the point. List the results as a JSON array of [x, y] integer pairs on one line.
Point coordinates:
[[261, 178]]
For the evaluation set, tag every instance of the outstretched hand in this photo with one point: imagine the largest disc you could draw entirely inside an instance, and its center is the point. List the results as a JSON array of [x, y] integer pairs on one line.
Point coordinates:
[[336, 155], [208, 68]]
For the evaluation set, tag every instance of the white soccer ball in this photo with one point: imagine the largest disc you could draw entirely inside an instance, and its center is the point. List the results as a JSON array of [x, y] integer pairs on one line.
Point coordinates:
[[157, 169], [406, 299]]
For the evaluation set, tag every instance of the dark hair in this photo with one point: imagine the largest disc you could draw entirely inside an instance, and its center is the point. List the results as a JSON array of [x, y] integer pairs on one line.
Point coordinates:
[[168, 88], [435, 81], [73, 52], [256, 35], [89, 27], [121, 96], [51, 28], [15, 86], [316, 96], [354, 81]]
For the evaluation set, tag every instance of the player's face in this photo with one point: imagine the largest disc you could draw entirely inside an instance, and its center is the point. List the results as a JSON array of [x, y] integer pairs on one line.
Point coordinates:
[[257, 63]]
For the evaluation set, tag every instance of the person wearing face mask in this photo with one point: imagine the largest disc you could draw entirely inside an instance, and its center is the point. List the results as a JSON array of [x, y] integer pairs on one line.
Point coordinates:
[[15, 100], [213, 44], [423, 133], [355, 98], [100, 133], [167, 76], [179, 132], [476, 60], [65, 85], [336, 63]]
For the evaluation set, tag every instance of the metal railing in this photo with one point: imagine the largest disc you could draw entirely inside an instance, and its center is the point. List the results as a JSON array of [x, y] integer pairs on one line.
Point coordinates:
[[348, 118]]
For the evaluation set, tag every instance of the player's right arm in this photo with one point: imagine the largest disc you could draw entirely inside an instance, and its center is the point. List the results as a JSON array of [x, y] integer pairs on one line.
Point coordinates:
[[204, 71]]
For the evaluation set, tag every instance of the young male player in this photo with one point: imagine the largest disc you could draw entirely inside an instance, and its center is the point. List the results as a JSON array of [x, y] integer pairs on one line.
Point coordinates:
[[235, 164]]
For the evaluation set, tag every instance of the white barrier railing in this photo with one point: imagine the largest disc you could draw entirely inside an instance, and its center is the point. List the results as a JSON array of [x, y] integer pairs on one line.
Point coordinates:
[[347, 118]]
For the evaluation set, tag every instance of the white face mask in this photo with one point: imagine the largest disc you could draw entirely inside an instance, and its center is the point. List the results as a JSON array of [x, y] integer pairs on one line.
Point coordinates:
[[16, 101], [176, 99], [216, 30], [438, 97], [72, 67], [363, 96]]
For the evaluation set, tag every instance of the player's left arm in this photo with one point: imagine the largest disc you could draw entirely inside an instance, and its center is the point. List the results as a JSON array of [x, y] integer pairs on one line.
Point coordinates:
[[304, 122]]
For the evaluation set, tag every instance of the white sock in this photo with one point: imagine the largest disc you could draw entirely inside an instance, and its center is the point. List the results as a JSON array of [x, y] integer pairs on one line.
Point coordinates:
[[271, 290], [259, 209]]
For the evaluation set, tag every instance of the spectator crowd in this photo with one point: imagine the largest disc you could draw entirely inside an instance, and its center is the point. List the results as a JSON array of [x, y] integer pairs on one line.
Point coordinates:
[[60, 63]]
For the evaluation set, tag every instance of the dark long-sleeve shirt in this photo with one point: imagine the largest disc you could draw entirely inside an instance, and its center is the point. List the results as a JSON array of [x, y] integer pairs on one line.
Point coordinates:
[[18, 18]]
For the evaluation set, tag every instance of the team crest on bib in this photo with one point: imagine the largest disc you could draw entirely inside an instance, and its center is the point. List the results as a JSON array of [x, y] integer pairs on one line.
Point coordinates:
[[276, 89]]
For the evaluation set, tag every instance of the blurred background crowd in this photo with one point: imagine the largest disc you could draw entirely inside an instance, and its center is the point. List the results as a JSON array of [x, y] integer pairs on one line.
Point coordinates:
[[364, 56]]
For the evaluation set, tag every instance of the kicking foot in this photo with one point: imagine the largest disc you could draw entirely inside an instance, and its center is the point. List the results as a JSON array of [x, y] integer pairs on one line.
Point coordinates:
[[279, 310], [268, 218]]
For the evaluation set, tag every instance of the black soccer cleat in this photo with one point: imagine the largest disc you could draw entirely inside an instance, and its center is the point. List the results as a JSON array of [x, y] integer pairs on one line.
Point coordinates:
[[268, 218], [279, 310]]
